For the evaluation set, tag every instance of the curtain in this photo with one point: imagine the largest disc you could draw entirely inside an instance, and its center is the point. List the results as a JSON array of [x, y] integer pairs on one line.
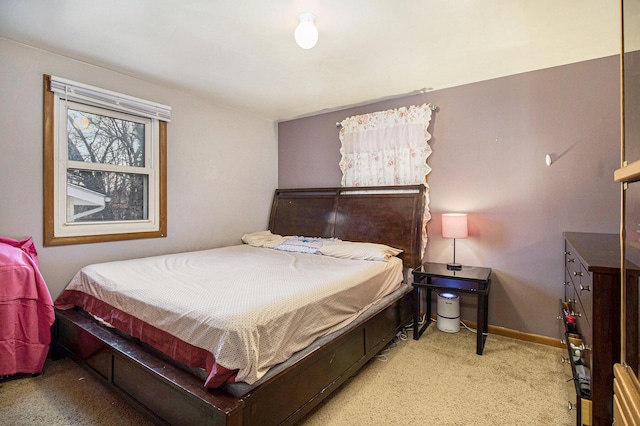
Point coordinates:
[[387, 148]]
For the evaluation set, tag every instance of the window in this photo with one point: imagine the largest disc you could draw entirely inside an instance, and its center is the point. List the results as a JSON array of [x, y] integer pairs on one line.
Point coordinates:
[[105, 165]]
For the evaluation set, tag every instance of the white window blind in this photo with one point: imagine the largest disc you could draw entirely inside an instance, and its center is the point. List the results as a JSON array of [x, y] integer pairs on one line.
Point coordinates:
[[71, 90]]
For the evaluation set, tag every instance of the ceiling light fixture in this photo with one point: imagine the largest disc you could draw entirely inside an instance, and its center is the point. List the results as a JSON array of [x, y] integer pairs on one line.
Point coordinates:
[[306, 32]]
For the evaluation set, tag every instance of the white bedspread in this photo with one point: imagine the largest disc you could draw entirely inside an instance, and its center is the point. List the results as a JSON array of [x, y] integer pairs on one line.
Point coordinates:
[[250, 307]]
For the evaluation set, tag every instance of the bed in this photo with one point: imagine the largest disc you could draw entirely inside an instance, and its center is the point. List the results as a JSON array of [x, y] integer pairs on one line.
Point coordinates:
[[285, 390]]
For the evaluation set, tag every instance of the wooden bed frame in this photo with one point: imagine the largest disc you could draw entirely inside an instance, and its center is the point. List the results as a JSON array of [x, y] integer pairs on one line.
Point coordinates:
[[170, 395]]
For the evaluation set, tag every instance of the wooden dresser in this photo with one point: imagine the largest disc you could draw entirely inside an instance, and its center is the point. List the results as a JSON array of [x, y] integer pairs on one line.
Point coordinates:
[[591, 315]]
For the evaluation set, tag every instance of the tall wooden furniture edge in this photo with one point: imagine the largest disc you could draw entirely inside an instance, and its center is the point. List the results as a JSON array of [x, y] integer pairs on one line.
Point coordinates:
[[148, 382], [626, 389], [626, 399]]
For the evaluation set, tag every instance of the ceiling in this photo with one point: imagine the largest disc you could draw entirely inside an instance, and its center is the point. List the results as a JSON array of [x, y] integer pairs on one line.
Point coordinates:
[[242, 54]]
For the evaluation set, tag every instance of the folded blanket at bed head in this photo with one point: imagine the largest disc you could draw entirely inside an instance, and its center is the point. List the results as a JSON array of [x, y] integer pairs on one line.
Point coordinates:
[[333, 247], [301, 245], [298, 244]]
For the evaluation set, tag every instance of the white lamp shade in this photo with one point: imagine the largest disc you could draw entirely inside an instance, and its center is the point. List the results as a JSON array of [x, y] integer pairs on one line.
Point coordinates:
[[454, 225], [306, 34]]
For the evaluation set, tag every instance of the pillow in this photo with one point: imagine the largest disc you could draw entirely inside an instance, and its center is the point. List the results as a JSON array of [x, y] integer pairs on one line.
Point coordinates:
[[361, 251], [263, 239]]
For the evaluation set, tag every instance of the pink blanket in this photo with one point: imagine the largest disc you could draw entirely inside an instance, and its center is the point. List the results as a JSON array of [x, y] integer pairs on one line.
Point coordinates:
[[26, 309]]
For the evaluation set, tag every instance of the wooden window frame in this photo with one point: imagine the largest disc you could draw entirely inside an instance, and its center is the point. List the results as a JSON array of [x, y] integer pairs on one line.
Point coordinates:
[[50, 203]]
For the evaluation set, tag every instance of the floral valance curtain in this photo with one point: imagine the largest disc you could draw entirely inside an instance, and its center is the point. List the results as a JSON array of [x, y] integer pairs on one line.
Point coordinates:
[[387, 148]]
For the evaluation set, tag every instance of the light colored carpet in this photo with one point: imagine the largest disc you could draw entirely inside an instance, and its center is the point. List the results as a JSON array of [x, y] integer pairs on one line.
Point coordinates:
[[438, 380], [65, 395]]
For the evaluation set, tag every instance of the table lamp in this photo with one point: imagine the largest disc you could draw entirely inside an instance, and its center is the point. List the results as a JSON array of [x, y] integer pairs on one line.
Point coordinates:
[[454, 225]]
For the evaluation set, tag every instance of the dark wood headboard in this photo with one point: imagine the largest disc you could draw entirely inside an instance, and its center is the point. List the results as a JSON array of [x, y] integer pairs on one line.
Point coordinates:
[[390, 215]]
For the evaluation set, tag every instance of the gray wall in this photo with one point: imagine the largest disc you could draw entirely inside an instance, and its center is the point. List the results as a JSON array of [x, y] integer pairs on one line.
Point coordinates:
[[222, 165], [489, 144]]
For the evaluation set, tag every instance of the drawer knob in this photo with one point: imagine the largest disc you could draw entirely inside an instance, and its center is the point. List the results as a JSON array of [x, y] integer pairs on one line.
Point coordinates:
[[560, 317], [572, 406], [585, 288], [567, 253], [567, 283], [576, 314], [565, 360], [571, 260], [563, 342], [577, 274]]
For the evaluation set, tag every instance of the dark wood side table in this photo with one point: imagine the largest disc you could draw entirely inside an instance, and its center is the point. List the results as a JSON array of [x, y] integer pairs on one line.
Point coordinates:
[[470, 279]]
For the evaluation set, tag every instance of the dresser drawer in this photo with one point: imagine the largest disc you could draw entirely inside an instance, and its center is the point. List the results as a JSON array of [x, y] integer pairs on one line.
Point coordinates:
[[574, 268], [585, 300], [580, 311], [578, 274]]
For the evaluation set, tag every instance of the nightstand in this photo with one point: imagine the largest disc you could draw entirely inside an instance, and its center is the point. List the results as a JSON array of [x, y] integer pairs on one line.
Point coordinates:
[[470, 279]]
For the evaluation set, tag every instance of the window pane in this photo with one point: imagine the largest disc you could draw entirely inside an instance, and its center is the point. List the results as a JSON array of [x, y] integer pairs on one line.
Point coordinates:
[[97, 138], [97, 196]]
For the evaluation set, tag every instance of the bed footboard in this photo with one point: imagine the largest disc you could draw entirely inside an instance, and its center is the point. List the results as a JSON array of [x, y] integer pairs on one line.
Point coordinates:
[[144, 380], [148, 382]]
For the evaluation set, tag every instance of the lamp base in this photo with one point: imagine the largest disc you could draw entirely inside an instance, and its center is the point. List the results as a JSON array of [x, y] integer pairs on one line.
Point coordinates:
[[454, 266]]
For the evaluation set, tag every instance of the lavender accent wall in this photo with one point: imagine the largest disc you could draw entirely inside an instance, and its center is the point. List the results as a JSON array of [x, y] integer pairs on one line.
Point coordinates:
[[489, 145]]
